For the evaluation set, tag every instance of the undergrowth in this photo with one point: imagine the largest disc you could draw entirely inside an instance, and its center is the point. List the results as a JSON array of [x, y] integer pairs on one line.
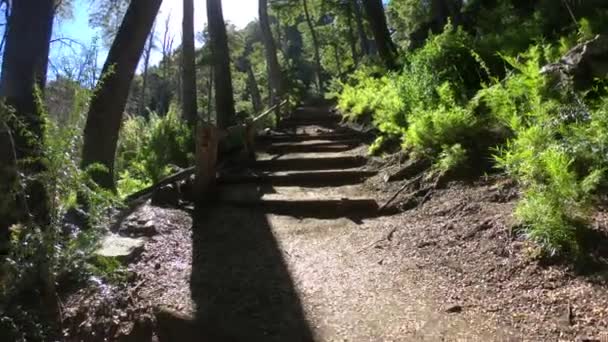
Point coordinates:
[[446, 105]]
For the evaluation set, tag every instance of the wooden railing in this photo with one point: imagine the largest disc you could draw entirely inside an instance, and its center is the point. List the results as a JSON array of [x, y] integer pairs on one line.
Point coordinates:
[[208, 138]]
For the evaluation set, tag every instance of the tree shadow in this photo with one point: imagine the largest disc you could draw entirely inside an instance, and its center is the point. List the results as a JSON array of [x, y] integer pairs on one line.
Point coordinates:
[[240, 283]]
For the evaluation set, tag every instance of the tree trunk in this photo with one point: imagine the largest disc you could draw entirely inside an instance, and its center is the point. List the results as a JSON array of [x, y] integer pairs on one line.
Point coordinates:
[[224, 97], [188, 65], [144, 76], [256, 98], [274, 70], [108, 103], [24, 68], [315, 43], [360, 27], [210, 94], [377, 20], [351, 34]]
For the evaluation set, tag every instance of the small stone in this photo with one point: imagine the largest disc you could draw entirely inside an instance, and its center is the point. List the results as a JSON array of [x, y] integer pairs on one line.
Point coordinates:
[[137, 229], [121, 248], [166, 196], [454, 309], [157, 266]]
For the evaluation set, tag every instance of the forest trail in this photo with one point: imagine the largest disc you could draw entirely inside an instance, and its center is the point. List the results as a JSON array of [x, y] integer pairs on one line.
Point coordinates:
[[295, 249], [283, 257]]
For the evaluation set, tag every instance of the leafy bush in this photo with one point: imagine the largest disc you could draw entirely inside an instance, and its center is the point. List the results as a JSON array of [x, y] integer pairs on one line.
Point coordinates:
[[448, 124], [550, 153], [56, 252], [150, 149], [435, 83]]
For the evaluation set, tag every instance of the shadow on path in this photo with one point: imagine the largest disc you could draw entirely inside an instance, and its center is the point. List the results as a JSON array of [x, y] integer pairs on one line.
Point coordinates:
[[240, 283]]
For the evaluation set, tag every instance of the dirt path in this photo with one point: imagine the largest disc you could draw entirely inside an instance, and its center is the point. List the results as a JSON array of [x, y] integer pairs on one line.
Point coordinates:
[[296, 250], [288, 259]]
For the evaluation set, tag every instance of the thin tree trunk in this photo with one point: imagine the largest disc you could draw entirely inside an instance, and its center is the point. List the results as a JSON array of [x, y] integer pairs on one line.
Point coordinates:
[[315, 43], [256, 98], [108, 103], [144, 85], [360, 27], [24, 68], [210, 94], [189, 110], [351, 34], [274, 70], [224, 97], [377, 21]]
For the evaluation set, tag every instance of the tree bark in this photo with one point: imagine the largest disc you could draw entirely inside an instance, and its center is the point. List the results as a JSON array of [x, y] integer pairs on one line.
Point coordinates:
[[224, 97], [144, 76], [377, 21], [256, 98], [360, 27], [274, 70], [315, 43], [107, 105], [24, 67], [189, 109], [351, 34]]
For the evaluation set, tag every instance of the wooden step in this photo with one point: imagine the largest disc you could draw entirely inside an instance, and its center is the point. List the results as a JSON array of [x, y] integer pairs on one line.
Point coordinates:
[[293, 123], [308, 118], [330, 146], [277, 138], [311, 179], [342, 162]]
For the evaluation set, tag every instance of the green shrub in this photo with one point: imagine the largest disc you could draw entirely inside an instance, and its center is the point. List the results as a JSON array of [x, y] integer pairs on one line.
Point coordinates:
[[150, 149], [446, 125], [552, 153]]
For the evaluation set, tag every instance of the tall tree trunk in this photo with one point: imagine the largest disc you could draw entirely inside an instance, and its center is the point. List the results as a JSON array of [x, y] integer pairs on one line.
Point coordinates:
[[224, 97], [189, 110], [360, 27], [24, 68], [144, 84], [315, 43], [108, 103], [274, 70], [256, 98], [351, 33], [210, 94], [377, 21]]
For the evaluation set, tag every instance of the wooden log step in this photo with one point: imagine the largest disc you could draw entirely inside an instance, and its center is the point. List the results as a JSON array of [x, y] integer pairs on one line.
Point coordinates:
[[314, 147], [313, 118], [342, 162], [277, 138], [311, 179], [325, 209]]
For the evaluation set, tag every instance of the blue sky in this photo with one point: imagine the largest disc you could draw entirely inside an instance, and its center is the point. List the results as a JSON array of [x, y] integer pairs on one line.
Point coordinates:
[[238, 12]]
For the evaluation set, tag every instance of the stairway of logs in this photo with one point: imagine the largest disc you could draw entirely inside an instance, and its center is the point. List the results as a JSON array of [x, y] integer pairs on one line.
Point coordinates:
[[308, 150]]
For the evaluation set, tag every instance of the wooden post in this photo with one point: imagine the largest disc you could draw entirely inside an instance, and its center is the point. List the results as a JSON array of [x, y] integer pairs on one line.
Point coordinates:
[[250, 139], [207, 139]]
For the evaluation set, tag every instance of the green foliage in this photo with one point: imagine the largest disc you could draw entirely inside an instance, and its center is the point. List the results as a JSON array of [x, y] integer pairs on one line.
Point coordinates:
[[451, 159], [150, 149], [51, 249], [425, 103], [448, 124]]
